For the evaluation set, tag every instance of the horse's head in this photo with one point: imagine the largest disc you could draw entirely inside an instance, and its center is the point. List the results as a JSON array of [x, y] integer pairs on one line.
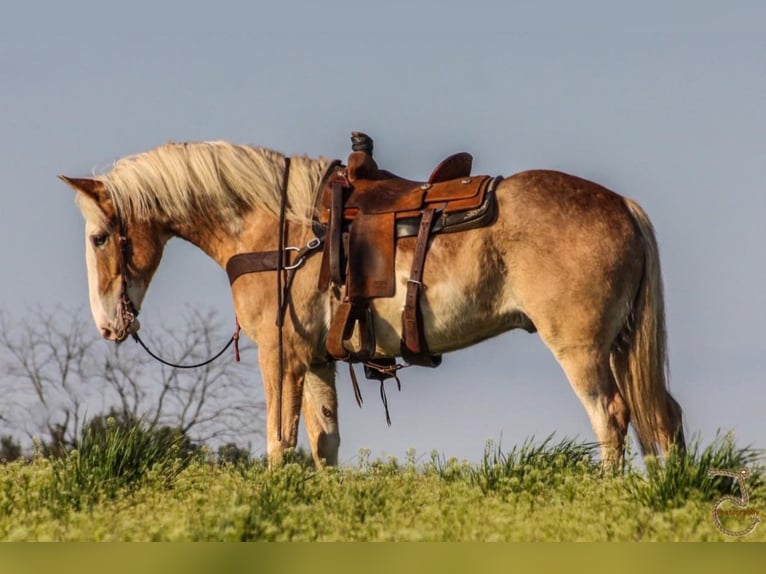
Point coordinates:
[[121, 256]]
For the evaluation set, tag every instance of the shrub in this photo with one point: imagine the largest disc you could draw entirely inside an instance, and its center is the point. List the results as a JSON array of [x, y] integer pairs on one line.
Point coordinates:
[[112, 455], [10, 449]]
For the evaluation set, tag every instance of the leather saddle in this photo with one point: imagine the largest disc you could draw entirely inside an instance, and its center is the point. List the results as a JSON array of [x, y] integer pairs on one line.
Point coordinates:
[[362, 212]]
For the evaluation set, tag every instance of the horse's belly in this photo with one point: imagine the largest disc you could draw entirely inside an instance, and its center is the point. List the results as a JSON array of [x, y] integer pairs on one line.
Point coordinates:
[[455, 315]]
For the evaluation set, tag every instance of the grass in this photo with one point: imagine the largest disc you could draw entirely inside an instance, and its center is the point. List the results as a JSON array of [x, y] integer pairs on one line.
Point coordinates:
[[671, 483], [112, 459], [123, 486]]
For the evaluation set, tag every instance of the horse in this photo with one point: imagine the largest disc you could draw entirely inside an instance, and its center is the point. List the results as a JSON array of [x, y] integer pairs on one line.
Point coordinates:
[[565, 257]]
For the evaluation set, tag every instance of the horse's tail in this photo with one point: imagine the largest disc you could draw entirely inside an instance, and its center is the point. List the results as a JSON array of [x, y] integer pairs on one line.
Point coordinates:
[[639, 359]]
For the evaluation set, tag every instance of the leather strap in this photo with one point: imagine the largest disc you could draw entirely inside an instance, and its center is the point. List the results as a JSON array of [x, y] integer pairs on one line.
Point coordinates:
[[336, 334], [414, 347], [244, 263], [334, 234]]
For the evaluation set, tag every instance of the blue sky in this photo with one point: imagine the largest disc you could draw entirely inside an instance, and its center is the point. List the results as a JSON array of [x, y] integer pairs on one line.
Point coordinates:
[[663, 103]]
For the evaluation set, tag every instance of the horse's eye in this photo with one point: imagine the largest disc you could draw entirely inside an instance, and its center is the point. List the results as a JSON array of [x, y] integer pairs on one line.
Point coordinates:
[[100, 239]]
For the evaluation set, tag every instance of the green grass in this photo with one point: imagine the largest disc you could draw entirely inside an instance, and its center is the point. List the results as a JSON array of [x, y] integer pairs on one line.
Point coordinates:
[[112, 459], [121, 486], [672, 483]]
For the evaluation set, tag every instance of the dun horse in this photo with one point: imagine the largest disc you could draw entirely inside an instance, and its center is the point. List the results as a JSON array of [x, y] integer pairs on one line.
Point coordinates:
[[564, 257]]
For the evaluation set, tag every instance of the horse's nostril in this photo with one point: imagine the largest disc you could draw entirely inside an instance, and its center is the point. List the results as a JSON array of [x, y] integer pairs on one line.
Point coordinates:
[[106, 333]]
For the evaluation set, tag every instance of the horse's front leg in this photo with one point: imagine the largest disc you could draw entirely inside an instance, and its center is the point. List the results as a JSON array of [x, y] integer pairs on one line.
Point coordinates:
[[286, 391], [320, 411]]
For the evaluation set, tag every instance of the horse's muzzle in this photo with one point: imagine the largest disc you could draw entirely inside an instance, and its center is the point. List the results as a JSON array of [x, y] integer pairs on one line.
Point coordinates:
[[119, 334]]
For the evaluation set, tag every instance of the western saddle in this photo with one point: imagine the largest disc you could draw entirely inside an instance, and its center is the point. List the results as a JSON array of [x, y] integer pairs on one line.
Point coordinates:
[[362, 212]]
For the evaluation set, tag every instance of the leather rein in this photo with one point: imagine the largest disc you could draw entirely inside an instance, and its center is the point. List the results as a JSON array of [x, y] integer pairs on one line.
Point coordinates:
[[129, 312]]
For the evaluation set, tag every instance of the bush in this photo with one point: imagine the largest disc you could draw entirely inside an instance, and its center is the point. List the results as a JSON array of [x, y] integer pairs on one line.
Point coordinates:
[[230, 453], [10, 449], [112, 455]]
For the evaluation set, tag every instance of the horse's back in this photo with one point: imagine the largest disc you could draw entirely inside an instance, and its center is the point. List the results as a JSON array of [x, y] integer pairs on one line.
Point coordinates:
[[545, 196]]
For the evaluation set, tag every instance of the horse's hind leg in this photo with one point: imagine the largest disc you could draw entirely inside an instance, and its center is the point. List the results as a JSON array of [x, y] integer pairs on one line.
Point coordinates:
[[590, 375], [320, 411]]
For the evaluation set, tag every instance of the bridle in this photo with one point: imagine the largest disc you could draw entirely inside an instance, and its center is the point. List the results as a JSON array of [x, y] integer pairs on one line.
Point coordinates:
[[129, 312]]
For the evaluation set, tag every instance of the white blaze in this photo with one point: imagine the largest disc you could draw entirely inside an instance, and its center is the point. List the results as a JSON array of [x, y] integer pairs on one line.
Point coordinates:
[[97, 309]]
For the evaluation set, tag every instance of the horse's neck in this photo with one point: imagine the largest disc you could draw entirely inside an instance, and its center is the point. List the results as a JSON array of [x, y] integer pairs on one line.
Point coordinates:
[[255, 230], [248, 232]]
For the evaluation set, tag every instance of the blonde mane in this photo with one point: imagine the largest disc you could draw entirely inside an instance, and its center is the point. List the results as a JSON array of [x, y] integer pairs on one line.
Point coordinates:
[[211, 181]]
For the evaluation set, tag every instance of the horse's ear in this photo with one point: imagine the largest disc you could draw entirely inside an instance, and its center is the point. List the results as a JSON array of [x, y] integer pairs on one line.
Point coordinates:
[[90, 187], [93, 189]]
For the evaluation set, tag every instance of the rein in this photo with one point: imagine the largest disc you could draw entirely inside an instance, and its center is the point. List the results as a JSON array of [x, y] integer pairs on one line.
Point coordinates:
[[129, 313], [234, 339]]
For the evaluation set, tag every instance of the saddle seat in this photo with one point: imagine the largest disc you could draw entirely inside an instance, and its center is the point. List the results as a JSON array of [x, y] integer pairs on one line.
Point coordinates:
[[370, 190], [362, 212]]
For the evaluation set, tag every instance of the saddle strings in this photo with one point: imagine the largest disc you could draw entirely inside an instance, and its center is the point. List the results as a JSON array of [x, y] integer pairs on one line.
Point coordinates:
[[390, 370]]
